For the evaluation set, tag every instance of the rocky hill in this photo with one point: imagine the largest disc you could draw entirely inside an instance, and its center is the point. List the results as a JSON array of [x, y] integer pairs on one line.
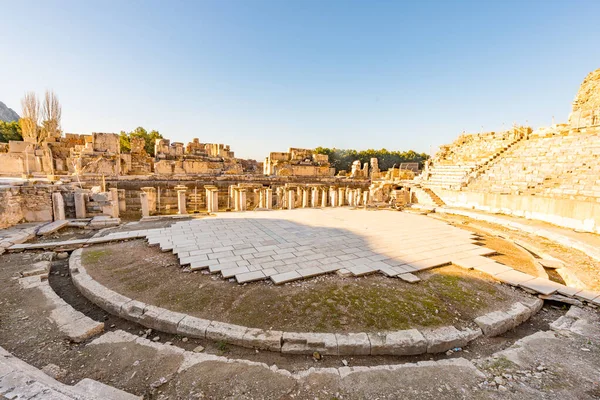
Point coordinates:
[[7, 114]]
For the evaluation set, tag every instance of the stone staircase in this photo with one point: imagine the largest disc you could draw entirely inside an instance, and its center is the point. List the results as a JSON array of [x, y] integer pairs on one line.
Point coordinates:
[[469, 156], [434, 197]]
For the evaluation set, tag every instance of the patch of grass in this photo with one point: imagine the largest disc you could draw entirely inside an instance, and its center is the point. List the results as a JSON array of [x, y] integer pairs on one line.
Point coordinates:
[[93, 256], [501, 364], [222, 347]]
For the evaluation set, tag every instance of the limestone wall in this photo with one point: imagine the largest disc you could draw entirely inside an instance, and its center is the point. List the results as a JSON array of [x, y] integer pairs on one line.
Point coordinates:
[[25, 204], [586, 106], [574, 214], [10, 207]]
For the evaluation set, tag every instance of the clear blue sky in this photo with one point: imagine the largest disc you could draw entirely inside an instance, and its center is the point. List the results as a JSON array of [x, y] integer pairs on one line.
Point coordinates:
[[263, 76]]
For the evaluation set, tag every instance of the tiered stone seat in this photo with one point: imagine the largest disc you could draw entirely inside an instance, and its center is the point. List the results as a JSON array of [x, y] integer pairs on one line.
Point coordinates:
[[454, 164], [563, 164]]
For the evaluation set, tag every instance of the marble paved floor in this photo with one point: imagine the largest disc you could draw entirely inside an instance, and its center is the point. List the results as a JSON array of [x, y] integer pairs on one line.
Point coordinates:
[[286, 245]]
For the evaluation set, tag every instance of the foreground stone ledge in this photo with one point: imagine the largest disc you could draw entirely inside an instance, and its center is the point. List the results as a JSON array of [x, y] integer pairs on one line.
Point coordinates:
[[76, 326], [399, 343], [161, 319], [193, 327], [222, 331], [264, 340], [350, 344], [406, 342], [308, 343], [445, 338], [19, 380]]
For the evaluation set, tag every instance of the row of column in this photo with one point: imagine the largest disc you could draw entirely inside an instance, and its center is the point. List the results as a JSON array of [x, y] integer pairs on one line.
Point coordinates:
[[317, 196], [287, 198]]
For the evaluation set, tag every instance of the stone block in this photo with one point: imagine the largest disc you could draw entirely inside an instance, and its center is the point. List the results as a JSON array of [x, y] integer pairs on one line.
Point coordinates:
[[102, 391], [161, 319], [533, 303], [408, 277], [308, 343], [443, 339], [193, 327], [133, 310], [229, 333], [495, 323], [399, 343], [350, 344], [262, 339], [541, 285], [519, 313]]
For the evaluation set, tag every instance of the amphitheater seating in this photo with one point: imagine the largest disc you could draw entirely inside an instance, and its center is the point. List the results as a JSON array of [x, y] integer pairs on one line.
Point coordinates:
[[455, 163], [564, 164]]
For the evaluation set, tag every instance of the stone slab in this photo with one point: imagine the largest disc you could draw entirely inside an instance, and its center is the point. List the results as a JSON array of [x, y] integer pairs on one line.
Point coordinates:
[[408, 277], [353, 344], [262, 339], [229, 333], [513, 277], [399, 343], [308, 343], [541, 285], [193, 327], [52, 227]]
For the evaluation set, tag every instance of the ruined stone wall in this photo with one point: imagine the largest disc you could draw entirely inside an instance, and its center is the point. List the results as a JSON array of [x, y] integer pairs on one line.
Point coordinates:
[[586, 106], [11, 212], [25, 204]]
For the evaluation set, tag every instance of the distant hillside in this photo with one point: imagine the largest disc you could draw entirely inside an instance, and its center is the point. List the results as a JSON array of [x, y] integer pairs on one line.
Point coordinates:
[[7, 114]]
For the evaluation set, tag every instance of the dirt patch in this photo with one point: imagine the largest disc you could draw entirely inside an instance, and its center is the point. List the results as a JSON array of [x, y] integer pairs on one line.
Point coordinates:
[[448, 295], [583, 266]]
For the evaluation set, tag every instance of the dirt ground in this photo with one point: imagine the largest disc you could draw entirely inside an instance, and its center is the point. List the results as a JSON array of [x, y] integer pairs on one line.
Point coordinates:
[[584, 267], [448, 295], [570, 363]]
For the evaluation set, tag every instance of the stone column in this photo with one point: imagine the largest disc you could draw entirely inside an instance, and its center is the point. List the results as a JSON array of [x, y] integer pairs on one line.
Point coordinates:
[[236, 199], [291, 199], [58, 206], [215, 200], [114, 200], [145, 207], [279, 192], [341, 193], [80, 211], [151, 192], [261, 199], [314, 200], [323, 197], [268, 199], [122, 201], [242, 200], [358, 197], [365, 198], [181, 202], [209, 199], [304, 197], [284, 198], [256, 197], [334, 194], [351, 197]]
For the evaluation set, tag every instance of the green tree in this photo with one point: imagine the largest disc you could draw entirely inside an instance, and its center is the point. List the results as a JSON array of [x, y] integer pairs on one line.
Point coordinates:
[[140, 132], [10, 131], [342, 159]]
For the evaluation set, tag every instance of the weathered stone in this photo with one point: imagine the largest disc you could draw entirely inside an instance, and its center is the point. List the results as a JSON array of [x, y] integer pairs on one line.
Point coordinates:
[[350, 344], [229, 333], [399, 343], [262, 339], [307, 343], [193, 327], [495, 323], [445, 338]]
